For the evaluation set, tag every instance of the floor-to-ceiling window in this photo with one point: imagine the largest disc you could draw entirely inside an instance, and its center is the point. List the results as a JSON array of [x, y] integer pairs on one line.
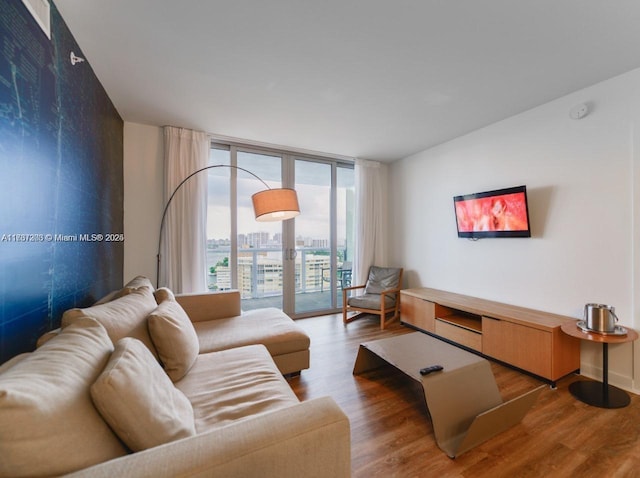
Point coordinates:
[[259, 245], [313, 236], [299, 265]]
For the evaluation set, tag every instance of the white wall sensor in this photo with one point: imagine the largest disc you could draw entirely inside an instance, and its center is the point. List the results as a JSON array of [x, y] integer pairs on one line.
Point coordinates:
[[579, 111]]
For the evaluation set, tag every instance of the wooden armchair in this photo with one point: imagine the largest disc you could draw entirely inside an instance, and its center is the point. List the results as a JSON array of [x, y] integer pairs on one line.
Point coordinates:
[[381, 296]]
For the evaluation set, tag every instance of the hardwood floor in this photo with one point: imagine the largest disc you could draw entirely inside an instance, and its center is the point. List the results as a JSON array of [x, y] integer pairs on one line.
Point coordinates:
[[391, 434]]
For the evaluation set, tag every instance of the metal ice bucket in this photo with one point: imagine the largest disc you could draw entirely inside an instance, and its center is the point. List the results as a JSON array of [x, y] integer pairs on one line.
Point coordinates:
[[600, 317]]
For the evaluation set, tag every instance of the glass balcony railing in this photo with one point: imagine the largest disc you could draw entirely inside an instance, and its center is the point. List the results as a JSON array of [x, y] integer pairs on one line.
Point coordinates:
[[260, 273]]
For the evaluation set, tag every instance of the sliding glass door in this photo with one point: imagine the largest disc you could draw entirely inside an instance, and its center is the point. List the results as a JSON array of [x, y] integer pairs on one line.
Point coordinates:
[[298, 265], [313, 237], [259, 245]]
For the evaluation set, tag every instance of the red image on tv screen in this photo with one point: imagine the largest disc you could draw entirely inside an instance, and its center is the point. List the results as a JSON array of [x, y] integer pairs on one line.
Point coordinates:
[[506, 212]]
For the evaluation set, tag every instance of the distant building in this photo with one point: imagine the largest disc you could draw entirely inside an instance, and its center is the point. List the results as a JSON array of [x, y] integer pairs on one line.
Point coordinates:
[[260, 273]]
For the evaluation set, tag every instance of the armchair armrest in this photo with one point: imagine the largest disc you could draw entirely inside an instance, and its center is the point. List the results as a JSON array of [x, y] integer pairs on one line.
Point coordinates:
[[391, 291], [310, 439], [384, 293], [345, 292], [353, 287], [211, 305]]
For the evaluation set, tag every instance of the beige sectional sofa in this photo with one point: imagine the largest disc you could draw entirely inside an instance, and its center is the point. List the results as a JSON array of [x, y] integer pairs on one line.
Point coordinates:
[[138, 386]]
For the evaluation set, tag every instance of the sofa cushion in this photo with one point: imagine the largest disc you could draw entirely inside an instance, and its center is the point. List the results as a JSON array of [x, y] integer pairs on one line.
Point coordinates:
[[44, 338], [48, 424], [113, 295], [12, 361], [139, 282], [122, 317], [269, 326], [174, 337], [138, 401], [234, 384], [135, 283], [371, 301]]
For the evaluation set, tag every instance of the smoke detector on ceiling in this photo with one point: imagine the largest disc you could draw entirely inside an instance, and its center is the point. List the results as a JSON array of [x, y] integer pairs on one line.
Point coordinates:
[[579, 111]]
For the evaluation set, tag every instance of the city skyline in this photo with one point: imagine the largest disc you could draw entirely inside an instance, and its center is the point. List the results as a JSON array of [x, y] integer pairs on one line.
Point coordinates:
[[263, 237]]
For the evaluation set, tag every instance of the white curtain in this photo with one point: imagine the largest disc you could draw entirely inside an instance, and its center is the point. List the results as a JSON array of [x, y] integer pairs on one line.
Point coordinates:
[[182, 265], [371, 217]]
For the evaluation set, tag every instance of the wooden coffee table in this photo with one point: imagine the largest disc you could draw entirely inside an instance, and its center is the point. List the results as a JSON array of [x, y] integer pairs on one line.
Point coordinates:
[[463, 399]]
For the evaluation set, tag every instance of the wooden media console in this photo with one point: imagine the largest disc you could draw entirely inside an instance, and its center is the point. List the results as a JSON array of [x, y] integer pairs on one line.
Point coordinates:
[[528, 339]]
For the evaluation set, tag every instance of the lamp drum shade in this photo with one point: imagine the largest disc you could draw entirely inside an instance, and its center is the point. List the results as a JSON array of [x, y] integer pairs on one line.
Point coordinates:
[[275, 204]]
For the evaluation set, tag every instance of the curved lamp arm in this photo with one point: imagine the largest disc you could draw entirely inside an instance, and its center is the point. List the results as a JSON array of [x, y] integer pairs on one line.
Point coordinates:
[[269, 205]]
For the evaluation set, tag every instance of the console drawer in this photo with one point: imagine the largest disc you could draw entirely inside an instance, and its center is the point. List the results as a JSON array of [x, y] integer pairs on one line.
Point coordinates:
[[461, 335]]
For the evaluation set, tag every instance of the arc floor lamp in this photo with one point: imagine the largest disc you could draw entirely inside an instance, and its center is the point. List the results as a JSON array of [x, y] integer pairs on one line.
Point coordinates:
[[271, 204]]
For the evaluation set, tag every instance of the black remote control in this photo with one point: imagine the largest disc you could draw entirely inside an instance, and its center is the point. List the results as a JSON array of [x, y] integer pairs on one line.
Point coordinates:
[[428, 370]]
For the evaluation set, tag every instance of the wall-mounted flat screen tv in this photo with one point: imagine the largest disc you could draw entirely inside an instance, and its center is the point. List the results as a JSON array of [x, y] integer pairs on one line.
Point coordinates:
[[499, 213]]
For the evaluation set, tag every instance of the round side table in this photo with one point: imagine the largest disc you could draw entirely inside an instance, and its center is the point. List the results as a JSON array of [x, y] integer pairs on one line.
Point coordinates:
[[599, 394]]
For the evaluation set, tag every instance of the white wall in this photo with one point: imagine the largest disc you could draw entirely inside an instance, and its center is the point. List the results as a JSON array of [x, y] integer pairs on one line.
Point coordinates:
[[143, 198], [582, 177]]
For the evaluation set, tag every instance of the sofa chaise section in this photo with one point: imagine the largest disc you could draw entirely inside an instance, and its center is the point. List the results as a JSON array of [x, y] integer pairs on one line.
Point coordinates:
[[220, 325]]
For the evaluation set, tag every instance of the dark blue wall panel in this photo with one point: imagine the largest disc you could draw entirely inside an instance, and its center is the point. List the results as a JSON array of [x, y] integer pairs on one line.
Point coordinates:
[[61, 183]]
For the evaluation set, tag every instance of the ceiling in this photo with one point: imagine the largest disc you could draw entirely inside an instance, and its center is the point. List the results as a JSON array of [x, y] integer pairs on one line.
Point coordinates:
[[375, 79]]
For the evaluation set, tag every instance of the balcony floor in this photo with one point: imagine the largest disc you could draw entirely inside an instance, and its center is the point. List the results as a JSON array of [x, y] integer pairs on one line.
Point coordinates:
[[305, 302]]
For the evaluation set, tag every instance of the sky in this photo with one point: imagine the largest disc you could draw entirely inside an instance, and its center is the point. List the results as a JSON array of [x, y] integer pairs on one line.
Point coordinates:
[[312, 180]]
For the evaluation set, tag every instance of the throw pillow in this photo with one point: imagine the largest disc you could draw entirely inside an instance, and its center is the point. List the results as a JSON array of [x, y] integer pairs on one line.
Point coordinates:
[[138, 401], [162, 294], [174, 337], [48, 424]]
